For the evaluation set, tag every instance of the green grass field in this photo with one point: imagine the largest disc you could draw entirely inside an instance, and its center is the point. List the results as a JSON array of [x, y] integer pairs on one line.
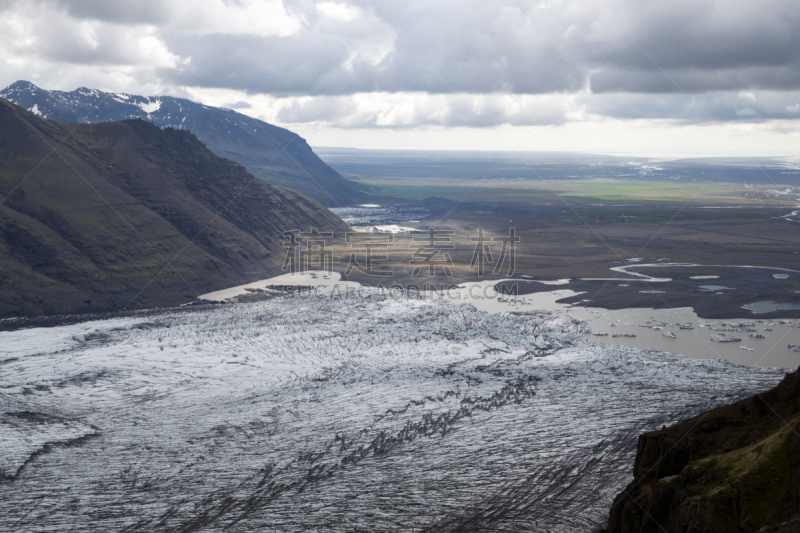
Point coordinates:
[[534, 191]]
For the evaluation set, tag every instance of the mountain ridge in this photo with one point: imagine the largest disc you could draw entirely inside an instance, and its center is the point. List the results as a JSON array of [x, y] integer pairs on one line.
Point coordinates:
[[105, 216], [276, 155]]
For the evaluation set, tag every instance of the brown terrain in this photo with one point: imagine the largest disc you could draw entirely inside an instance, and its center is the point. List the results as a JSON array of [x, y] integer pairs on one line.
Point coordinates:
[[126, 215], [732, 469]]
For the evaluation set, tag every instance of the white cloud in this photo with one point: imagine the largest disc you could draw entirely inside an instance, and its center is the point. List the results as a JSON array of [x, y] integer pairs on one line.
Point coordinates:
[[338, 11], [404, 110], [747, 95], [264, 18], [457, 65]]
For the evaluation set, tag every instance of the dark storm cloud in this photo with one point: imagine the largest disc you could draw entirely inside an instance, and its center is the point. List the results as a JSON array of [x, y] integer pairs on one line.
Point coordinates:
[[522, 47], [702, 46], [452, 47], [307, 65], [747, 106]]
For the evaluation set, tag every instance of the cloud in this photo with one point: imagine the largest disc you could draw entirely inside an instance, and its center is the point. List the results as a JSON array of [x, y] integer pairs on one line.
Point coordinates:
[[450, 48], [336, 11], [698, 46], [521, 47], [407, 110], [453, 46], [251, 17], [723, 106], [450, 63]]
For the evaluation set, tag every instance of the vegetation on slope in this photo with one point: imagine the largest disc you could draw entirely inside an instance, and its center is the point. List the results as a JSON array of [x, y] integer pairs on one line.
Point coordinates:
[[732, 469], [124, 214], [275, 155]]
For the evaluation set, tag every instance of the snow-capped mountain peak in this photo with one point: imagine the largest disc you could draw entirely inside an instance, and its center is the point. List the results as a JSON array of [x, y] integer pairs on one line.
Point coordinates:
[[276, 155]]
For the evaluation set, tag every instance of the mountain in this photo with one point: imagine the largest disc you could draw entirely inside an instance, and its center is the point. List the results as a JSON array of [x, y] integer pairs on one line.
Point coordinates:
[[732, 469], [125, 214], [274, 154]]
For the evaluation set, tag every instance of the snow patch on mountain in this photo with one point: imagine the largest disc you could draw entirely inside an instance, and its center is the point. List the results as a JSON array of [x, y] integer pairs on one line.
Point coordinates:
[[151, 106]]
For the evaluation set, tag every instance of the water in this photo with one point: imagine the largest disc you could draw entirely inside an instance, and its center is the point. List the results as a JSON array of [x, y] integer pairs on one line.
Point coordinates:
[[696, 343], [369, 215], [770, 306], [714, 288]]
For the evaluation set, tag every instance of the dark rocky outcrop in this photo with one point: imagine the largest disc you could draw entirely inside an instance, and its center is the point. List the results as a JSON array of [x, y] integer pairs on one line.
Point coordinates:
[[732, 469], [124, 214]]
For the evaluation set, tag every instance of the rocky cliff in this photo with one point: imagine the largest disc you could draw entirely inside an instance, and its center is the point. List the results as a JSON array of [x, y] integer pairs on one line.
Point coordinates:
[[732, 469]]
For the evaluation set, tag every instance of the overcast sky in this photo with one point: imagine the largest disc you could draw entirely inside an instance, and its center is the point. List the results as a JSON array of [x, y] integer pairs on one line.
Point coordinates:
[[631, 76]]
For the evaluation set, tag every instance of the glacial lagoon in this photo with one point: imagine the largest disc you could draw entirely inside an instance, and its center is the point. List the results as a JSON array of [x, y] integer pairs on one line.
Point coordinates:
[[640, 328]]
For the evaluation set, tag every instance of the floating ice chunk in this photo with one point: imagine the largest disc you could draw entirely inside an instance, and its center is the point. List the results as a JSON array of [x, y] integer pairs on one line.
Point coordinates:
[[722, 337]]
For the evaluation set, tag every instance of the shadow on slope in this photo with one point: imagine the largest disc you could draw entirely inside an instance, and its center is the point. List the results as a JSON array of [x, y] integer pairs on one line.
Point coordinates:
[[123, 214]]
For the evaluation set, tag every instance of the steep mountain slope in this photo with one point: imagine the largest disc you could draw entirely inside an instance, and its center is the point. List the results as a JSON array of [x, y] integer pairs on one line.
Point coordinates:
[[274, 154], [124, 211], [732, 469]]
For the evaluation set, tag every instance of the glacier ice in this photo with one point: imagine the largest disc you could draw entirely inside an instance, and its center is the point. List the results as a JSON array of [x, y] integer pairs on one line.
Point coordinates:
[[333, 414]]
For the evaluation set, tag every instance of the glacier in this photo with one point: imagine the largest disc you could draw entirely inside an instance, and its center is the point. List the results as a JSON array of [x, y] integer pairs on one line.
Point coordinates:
[[335, 414]]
